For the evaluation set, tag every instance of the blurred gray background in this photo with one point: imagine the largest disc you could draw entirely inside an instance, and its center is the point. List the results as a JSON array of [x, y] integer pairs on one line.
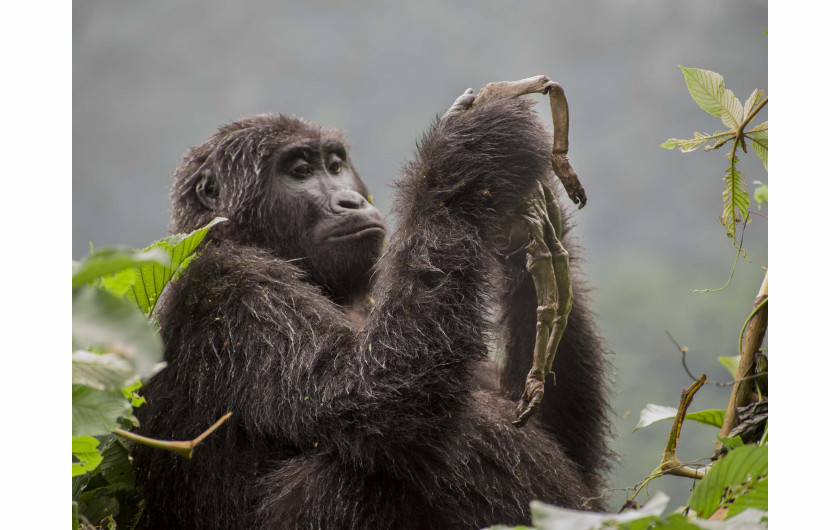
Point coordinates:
[[152, 78]]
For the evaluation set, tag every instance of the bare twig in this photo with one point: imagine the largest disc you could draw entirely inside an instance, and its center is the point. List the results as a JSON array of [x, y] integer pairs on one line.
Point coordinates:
[[670, 464], [183, 448], [684, 351]]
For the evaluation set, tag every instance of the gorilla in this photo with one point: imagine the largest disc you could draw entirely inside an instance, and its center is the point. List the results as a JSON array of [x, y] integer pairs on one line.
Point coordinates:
[[369, 389]]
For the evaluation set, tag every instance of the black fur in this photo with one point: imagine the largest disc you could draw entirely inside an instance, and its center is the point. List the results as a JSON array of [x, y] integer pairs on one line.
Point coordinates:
[[387, 424]]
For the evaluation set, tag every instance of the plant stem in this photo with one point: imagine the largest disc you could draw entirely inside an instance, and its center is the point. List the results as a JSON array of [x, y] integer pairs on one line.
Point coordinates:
[[749, 343], [183, 448]]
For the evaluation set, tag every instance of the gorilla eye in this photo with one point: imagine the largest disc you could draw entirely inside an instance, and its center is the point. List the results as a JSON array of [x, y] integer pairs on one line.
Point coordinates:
[[302, 170], [336, 166]]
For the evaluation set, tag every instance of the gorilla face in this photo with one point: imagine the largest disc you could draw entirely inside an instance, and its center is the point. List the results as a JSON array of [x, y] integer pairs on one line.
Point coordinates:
[[322, 202], [288, 186]]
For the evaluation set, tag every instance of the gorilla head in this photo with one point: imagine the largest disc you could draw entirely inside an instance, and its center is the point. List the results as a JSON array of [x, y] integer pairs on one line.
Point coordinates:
[[288, 186]]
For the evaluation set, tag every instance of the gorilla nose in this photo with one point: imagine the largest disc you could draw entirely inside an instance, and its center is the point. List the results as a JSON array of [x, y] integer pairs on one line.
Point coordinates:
[[347, 200]]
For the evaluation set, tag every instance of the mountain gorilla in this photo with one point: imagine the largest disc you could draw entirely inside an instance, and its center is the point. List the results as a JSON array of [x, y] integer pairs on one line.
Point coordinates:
[[361, 387]]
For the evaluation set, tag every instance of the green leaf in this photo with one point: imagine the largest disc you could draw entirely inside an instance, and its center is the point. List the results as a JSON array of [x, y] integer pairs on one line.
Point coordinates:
[[705, 87], [85, 450], [116, 466], [761, 195], [731, 443], [700, 139], [144, 284], [753, 100], [740, 467], [130, 393], [653, 413], [713, 417], [733, 112], [95, 412], [731, 364], [760, 144], [105, 322], [102, 371], [107, 261], [755, 497], [545, 516], [100, 506], [736, 200]]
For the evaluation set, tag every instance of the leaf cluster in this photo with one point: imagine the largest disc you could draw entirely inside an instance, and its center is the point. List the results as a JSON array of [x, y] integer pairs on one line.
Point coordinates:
[[709, 92], [115, 346]]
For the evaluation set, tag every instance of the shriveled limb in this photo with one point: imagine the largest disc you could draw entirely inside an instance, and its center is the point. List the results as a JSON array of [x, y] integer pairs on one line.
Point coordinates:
[[547, 260], [548, 263]]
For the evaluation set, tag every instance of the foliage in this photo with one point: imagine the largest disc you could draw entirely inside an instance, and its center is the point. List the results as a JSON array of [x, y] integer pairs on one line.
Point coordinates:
[[708, 91], [115, 346]]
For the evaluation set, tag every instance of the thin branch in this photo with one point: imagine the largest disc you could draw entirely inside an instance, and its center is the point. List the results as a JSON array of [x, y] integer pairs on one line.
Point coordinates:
[[684, 351], [670, 464], [183, 448], [739, 247]]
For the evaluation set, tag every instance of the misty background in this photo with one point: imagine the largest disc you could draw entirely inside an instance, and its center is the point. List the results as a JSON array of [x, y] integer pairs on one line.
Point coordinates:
[[151, 79]]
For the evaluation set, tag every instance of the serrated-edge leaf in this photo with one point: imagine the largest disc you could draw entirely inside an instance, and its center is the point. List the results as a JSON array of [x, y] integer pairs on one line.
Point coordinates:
[[706, 88], [736, 200], [739, 465], [700, 139], [760, 142], [108, 261], [143, 285], [758, 128], [753, 100], [733, 111], [85, 449]]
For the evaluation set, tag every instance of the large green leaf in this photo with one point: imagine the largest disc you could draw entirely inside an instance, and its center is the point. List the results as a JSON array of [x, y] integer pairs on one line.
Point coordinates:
[[107, 261], [116, 466], [144, 284], [737, 472], [653, 413], [708, 91], [86, 452], [736, 200], [95, 412], [104, 322], [755, 497], [102, 371]]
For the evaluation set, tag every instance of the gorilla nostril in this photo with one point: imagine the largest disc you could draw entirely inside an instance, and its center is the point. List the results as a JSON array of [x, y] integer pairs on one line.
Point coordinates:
[[347, 200]]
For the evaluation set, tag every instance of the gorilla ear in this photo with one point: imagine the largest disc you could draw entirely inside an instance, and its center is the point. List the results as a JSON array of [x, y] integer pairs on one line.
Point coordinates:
[[208, 190]]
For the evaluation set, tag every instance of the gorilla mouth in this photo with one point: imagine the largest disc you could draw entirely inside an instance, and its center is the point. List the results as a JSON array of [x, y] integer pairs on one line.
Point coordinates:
[[356, 231]]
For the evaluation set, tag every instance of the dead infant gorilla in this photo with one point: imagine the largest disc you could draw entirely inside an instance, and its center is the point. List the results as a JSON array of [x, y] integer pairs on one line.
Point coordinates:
[[360, 384]]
